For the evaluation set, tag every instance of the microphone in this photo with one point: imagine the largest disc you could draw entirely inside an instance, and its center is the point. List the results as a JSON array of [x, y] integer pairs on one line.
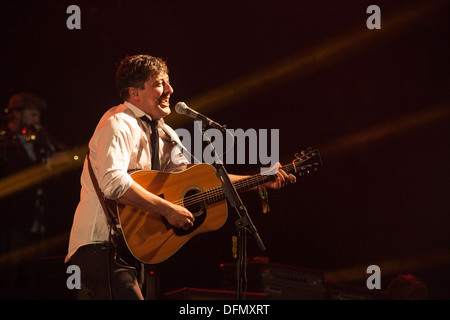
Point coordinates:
[[182, 108]]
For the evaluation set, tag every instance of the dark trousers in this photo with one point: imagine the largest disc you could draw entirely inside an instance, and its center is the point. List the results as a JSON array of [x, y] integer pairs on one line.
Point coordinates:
[[106, 276]]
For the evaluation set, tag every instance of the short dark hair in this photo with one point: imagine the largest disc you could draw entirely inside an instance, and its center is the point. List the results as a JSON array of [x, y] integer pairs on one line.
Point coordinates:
[[135, 70]]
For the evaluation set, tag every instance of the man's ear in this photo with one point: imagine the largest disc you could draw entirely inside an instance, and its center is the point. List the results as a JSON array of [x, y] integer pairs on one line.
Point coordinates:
[[133, 95], [133, 92]]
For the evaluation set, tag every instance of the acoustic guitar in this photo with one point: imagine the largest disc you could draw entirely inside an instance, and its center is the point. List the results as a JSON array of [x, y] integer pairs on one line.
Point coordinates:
[[149, 236]]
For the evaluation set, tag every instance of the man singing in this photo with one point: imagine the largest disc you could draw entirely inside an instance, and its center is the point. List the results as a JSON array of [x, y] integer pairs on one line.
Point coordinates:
[[123, 142]]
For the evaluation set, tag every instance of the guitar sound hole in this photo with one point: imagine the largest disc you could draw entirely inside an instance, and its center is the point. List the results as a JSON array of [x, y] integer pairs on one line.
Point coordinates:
[[196, 207], [191, 202]]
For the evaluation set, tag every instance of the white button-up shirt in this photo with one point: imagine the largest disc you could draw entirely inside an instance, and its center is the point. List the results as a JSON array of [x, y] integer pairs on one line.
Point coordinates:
[[120, 143]]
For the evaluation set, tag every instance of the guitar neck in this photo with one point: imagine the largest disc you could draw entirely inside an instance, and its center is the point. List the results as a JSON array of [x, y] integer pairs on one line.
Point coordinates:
[[305, 163], [259, 179], [217, 194]]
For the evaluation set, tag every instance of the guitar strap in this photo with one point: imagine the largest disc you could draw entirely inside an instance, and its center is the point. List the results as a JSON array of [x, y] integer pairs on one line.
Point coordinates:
[[113, 220], [123, 255], [118, 238]]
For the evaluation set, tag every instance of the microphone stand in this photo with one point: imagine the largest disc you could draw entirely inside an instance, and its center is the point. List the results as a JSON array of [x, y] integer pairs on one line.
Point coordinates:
[[243, 223]]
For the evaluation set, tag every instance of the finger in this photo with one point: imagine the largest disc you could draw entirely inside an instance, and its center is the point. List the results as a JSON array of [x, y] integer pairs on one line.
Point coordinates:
[[292, 178], [284, 176], [283, 173], [280, 180], [188, 224], [189, 216], [287, 178]]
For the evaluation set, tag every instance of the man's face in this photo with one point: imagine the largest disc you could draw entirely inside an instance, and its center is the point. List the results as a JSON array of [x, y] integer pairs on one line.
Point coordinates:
[[154, 98], [29, 117]]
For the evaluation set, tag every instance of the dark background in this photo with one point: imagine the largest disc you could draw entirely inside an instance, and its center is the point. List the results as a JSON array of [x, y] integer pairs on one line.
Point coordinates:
[[376, 199]]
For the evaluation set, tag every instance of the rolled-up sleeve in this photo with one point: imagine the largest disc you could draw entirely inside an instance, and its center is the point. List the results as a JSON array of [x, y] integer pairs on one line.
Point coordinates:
[[112, 146]]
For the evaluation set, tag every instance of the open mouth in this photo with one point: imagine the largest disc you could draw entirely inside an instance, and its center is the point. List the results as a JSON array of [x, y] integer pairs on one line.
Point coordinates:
[[164, 101]]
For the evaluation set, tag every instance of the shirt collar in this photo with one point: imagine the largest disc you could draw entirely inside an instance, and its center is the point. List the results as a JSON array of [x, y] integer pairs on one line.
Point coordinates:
[[139, 113]]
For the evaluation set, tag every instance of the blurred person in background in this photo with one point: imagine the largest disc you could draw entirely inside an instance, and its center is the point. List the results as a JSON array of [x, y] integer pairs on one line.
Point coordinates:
[[24, 143]]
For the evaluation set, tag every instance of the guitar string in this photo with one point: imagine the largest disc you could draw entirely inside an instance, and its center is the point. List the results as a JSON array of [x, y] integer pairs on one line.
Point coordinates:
[[255, 180], [212, 193], [218, 192]]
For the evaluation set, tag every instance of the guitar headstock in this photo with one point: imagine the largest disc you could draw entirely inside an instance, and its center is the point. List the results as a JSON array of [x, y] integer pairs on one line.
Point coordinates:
[[307, 161]]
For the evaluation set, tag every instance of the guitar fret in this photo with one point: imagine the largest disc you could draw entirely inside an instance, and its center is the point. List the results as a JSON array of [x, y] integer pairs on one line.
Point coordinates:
[[217, 194]]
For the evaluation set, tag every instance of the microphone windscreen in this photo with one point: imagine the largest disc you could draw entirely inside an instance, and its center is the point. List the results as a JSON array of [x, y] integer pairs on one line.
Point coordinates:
[[180, 108]]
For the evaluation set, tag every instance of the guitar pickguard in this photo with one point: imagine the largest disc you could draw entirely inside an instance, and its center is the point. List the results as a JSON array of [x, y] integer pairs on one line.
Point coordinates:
[[198, 210]]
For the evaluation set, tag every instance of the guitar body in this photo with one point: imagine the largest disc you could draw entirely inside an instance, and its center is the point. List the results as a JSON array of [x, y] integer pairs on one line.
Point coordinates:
[[150, 238]]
